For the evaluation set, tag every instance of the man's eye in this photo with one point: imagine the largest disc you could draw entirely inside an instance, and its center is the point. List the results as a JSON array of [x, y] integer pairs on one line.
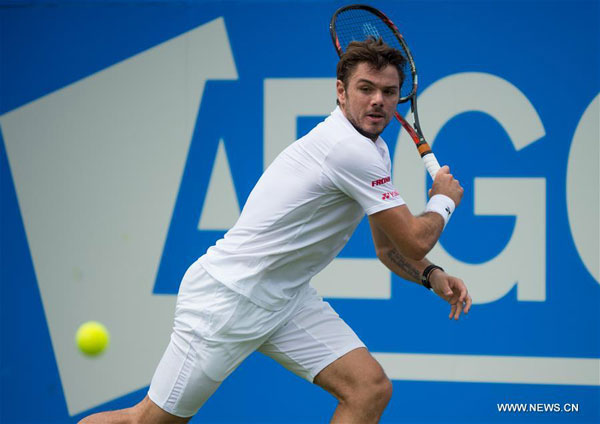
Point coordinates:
[[365, 89]]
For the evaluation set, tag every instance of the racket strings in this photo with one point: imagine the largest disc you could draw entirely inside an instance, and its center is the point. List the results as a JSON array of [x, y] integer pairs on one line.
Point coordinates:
[[360, 25]]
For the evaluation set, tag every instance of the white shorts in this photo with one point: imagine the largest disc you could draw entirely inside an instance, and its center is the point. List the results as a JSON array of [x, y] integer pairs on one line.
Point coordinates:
[[216, 329]]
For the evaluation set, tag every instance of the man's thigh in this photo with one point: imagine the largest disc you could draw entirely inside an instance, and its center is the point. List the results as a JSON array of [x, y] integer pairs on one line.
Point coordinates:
[[313, 338], [215, 330], [351, 372]]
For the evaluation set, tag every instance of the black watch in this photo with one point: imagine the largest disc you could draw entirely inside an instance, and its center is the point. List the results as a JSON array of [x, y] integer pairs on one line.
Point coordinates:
[[426, 273]]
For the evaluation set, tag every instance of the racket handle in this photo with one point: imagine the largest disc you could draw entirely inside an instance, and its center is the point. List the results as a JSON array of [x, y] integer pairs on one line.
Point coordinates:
[[431, 164]]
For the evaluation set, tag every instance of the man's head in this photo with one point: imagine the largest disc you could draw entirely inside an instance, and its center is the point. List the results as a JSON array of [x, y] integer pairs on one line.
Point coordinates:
[[369, 76]]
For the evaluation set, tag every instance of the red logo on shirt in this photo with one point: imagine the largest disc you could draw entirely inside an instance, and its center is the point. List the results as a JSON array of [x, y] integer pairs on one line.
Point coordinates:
[[389, 195], [380, 181]]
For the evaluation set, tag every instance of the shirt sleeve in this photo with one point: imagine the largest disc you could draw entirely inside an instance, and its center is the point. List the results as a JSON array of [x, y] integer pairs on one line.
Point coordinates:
[[358, 169]]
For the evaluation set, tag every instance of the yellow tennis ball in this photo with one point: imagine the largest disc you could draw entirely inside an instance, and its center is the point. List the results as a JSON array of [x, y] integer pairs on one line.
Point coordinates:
[[92, 338]]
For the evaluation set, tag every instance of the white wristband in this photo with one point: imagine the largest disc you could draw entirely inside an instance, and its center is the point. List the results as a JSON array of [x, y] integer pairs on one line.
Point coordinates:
[[442, 204]]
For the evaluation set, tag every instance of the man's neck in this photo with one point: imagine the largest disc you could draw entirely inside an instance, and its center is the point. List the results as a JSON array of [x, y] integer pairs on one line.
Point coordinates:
[[372, 137]]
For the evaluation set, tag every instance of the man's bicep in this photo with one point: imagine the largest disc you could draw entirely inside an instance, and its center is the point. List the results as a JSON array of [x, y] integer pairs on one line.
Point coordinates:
[[380, 239], [393, 222], [393, 227]]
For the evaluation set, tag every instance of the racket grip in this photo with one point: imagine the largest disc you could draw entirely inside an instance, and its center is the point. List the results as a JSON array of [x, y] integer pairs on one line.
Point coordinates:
[[431, 164]]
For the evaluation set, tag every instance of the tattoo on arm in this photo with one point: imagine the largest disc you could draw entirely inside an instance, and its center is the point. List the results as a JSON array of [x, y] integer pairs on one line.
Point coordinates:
[[404, 265]]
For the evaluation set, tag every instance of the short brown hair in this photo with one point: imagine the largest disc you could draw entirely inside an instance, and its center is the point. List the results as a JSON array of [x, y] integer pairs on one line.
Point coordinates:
[[372, 51]]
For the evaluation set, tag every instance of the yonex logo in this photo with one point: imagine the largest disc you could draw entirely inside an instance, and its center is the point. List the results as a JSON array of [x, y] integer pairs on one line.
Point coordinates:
[[389, 195], [380, 181]]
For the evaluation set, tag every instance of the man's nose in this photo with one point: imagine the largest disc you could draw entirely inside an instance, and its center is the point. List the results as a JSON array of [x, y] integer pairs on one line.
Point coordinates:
[[377, 97]]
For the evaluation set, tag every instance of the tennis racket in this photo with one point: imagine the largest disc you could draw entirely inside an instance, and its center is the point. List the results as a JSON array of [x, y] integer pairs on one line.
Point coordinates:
[[359, 22]]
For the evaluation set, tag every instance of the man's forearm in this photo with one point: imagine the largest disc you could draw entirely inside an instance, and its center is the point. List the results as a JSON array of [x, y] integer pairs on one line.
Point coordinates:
[[429, 230], [404, 267]]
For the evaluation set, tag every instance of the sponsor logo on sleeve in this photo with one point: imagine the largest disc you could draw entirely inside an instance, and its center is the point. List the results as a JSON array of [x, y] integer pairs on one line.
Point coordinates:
[[389, 195], [380, 181]]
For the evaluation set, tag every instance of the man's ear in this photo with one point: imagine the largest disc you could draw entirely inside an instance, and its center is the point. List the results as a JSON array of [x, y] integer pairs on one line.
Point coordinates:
[[341, 92]]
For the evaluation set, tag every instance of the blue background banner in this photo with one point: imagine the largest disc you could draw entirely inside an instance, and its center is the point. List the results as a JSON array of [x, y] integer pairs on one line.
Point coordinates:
[[132, 132]]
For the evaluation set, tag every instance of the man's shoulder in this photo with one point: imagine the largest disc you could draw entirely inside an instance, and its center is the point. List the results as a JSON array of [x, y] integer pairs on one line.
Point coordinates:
[[336, 132], [336, 138], [353, 153]]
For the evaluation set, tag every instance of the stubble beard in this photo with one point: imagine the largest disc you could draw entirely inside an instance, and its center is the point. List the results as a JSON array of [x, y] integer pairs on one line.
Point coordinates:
[[371, 135]]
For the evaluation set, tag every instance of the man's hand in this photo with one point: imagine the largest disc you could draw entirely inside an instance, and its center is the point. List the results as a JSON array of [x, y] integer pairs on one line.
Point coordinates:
[[453, 290], [445, 183]]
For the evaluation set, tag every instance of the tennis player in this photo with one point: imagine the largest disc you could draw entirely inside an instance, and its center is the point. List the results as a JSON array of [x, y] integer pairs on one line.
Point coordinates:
[[251, 292]]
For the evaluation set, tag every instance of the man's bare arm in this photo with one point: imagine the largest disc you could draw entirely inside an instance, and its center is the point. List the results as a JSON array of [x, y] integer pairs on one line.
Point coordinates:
[[399, 264], [414, 236], [453, 290]]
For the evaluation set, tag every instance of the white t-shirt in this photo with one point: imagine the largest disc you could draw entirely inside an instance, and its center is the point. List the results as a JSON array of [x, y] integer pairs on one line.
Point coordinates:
[[302, 212]]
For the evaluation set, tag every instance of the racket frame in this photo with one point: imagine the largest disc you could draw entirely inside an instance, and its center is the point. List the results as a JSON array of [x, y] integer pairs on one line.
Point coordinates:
[[414, 131]]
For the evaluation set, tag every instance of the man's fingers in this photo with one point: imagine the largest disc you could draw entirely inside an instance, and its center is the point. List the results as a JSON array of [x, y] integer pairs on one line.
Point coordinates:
[[452, 309], [455, 292], [468, 304], [463, 294], [459, 308]]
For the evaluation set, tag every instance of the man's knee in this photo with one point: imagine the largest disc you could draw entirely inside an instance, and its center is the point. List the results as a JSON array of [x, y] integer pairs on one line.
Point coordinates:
[[384, 389], [357, 381], [374, 391]]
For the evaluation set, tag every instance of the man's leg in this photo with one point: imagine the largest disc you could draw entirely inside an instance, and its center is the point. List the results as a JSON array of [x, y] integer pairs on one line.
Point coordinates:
[[180, 385], [317, 345], [360, 386], [144, 412]]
